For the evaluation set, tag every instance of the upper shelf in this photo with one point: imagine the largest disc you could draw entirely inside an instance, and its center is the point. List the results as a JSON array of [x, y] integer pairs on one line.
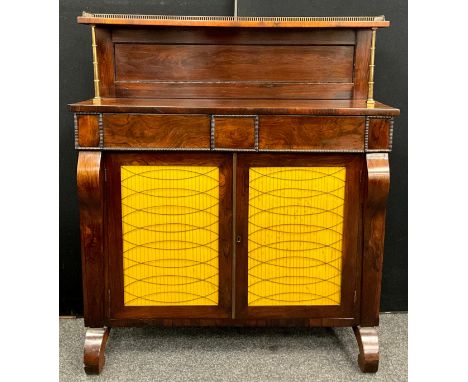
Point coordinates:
[[232, 21]]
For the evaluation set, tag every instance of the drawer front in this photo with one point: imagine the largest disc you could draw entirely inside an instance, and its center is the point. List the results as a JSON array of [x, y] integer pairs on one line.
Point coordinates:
[[234, 133], [379, 134], [311, 133], [87, 130], [205, 132], [156, 131]]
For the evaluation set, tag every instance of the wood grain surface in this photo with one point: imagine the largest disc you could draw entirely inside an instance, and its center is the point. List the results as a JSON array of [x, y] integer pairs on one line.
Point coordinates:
[[234, 133], [214, 63], [234, 106], [379, 134], [368, 342], [163, 131], [88, 130], [90, 195], [375, 202], [94, 350], [307, 133], [234, 36]]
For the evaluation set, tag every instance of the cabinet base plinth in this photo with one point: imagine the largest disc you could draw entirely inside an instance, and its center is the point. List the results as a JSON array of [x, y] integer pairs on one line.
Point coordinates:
[[94, 348], [368, 342]]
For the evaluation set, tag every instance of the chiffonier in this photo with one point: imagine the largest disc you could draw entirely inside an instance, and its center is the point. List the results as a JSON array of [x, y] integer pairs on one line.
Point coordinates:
[[232, 171]]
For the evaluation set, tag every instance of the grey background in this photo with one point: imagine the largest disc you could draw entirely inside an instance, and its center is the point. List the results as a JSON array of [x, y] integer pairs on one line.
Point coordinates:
[[76, 84]]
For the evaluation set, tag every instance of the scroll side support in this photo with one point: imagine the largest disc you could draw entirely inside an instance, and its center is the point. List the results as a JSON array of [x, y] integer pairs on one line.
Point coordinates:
[[374, 209], [90, 194], [94, 349], [368, 342], [375, 202]]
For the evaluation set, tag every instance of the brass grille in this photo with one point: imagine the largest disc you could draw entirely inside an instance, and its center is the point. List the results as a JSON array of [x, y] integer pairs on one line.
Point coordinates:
[[170, 235], [295, 235]]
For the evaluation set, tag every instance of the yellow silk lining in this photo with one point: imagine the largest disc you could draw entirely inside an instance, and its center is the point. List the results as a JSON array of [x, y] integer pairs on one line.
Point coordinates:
[[170, 235], [295, 227]]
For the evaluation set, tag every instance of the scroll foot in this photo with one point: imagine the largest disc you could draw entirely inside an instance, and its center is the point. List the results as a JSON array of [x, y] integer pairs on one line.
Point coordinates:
[[94, 348], [368, 341]]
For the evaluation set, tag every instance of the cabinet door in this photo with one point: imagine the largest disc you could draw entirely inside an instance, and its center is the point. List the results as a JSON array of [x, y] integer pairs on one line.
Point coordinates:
[[169, 235], [297, 227]]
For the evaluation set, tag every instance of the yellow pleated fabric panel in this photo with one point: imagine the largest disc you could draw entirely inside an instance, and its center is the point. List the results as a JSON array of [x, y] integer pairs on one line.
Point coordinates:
[[295, 235], [170, 235]]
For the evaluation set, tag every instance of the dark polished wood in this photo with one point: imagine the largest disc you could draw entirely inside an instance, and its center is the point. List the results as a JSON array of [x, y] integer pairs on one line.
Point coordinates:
[[234, 106], [226, 90], [88, 130], [105, 52], [229, 322], [361, 63], [368, 342], [91, 198], [234, 36], [160, 131], [233, 63], [375, 200], [227, 71], [292, 92], [234, 132], [309, 133], [214, 63], [379, 133], [94, 349]]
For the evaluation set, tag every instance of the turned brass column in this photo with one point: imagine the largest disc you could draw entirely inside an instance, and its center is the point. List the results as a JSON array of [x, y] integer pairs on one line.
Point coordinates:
[[370, 93], [97, 97]]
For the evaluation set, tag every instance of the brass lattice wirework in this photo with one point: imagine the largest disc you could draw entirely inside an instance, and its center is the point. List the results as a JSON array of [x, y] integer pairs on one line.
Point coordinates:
[[295, 235], [170, 235]]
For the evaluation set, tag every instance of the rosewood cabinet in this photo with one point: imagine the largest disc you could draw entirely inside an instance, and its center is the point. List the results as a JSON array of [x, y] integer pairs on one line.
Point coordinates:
[[234, 172]]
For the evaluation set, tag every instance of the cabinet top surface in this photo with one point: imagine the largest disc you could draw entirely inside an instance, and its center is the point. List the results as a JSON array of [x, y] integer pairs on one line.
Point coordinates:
[[232, 21], [233, 106]]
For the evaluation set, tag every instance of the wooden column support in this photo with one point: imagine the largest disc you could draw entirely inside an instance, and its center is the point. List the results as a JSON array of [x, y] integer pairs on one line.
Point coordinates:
[[90, 194], [94, 349], [368, 342], [375, 201]]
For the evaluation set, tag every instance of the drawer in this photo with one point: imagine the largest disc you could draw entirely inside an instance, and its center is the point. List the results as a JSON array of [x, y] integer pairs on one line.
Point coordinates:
[[156, 131], [87, 130], [311, 133], [380, 132], [234, 132]]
